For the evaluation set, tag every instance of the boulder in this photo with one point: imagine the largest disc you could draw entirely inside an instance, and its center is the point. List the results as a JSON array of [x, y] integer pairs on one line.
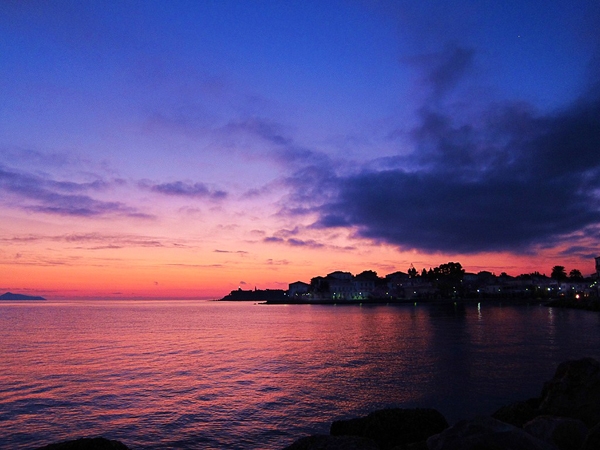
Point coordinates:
[[518, 413], [393, 427], [592, 441], [421, 445], [563, 432], [574, 391], [485, 433], [324, 442], [97, 443]]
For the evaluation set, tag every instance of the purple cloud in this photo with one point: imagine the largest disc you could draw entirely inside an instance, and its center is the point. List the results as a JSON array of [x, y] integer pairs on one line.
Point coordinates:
[[302, 243], [182, 189], [509, 179], [57, 197], [273, 239], [97, 241]]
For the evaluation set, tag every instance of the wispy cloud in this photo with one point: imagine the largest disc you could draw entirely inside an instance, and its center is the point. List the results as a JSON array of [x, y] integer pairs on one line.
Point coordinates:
[[308, 243], [97, 241], [304, 243], [66, 198], [195, 266], [185, 189], [277, 262], [239, 252], [282, 148]]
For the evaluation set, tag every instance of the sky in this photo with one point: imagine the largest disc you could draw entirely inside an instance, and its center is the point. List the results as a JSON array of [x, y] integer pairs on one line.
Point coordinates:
[[182, 149]]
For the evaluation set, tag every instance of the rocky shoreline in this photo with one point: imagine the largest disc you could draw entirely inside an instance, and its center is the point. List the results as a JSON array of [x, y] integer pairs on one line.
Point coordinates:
[[566, 416]]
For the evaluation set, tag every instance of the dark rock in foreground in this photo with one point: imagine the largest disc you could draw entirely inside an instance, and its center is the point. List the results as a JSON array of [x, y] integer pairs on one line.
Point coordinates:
[[519, 413], [564, 433], [11, 296], [97, 443], [557, 420], [574, 391], [592, 441], [393, 427], [485, 433], [324, 442]]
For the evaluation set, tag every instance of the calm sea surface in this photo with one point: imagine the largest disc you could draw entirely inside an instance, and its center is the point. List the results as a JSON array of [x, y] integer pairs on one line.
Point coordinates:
[[206, 375]]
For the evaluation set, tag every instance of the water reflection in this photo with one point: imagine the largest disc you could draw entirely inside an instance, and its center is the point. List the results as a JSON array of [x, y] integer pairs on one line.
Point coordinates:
[[221, 375]]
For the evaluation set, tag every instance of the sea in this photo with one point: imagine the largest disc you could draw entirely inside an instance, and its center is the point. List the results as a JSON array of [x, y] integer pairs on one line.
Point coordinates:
[[219, 375]]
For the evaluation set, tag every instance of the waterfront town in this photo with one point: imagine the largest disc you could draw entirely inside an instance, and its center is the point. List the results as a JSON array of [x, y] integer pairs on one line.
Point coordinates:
[[447, 281]]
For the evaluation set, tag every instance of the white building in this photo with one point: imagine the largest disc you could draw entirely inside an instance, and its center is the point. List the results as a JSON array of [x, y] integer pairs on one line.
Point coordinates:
[[298, 289]]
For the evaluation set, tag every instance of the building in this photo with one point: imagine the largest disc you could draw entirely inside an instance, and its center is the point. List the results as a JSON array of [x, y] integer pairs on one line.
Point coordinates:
[[298, 289]]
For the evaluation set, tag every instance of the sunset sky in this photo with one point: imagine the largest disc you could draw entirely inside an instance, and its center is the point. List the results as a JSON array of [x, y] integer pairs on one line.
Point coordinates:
[[184, 148]]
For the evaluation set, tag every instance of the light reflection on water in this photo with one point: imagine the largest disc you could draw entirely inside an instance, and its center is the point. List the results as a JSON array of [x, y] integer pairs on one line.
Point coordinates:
[[199, 375]]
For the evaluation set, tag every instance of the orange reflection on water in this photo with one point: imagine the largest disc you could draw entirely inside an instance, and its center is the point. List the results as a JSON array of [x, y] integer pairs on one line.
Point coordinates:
[[220, 375]]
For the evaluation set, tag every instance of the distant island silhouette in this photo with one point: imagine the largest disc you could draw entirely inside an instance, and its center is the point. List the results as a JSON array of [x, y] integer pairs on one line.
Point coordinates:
[[11, 296]]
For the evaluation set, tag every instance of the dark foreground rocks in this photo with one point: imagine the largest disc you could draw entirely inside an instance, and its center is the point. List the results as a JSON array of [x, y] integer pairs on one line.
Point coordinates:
[[97, 443], [573, 392], [324, 442], [385, 429], [566, 416], [393, 427], [563, 432], [485, 433]]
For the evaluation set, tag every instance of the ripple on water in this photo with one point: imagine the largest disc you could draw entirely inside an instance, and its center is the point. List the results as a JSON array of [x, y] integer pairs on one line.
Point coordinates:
[[202, 375]]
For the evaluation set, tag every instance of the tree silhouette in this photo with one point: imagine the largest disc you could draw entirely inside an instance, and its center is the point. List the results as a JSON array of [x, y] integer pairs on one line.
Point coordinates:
[[558, 273], [575, 275], [368, 275]]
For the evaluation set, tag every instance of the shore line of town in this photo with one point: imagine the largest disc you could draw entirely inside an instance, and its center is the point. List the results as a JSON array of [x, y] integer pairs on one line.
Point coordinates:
[[586, 304], [447, 283], [405, 301]]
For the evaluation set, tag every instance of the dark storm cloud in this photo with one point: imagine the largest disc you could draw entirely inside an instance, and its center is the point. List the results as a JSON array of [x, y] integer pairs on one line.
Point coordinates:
[[66, 198], [183, 189], [506, 180]]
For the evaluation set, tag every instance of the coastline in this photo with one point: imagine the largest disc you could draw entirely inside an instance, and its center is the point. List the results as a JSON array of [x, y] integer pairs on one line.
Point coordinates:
[[402, 301], [592, 304]]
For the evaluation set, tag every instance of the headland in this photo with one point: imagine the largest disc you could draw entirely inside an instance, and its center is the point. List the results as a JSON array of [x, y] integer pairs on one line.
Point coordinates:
[[21, 297]]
